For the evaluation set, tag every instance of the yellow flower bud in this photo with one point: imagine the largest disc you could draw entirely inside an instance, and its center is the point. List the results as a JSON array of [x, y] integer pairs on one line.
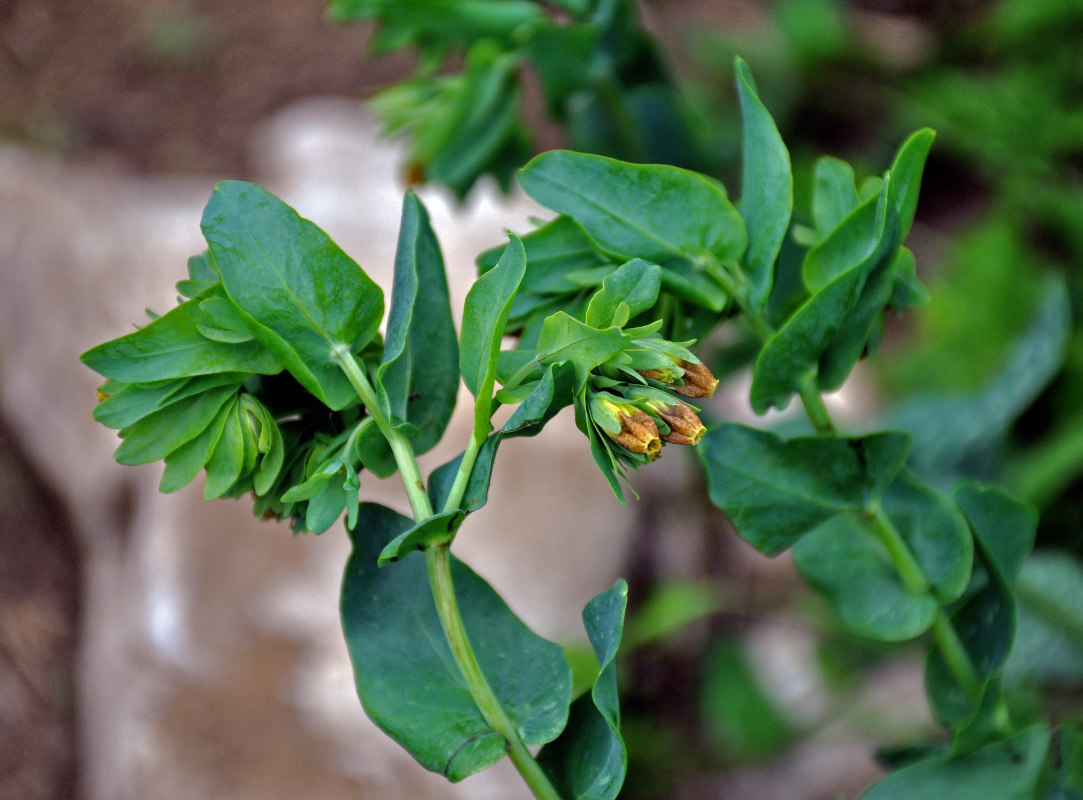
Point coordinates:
[[638, 431]]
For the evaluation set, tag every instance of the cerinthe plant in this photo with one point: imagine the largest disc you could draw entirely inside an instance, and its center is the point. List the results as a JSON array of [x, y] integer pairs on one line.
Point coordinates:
[[271, 376]]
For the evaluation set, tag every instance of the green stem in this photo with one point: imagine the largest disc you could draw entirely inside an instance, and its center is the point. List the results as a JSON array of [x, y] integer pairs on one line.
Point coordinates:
[[911, 573], [462, 477], [438, 564], [951, 647], [815, 408]]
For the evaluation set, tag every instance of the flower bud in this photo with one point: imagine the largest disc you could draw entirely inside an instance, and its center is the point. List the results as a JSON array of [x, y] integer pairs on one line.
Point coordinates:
[[698, 380], [685, 426], [666, 376], [638, 433]]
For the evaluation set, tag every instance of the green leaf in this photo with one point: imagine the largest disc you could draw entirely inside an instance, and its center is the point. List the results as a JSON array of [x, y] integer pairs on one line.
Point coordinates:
[[406, 676], [223, 322], [134, 401], [564, 339], [437, 529], [226, 464], [418, 377], [626, 292], [935, 532], [171, 346], [776, 490], [305, 297], [906, 173], [842, 560], [588, 761], [485, 314], [157, 435], [184, 463], [636, 211], [1007, 770], [766, 188], [1049, 647], [553, 252], [820, 335]]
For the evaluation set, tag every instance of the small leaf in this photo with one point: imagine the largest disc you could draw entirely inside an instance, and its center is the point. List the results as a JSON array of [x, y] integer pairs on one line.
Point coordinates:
[[418, 376], [406, 676], [226, 464], [834, 193], [775, 490], [305, 296], [184, 463], [1004, 528], [619, 205], [588, 761], [845, 563], [626, 292], [437, 529], [134, 401], [485, 314], [766, 188]]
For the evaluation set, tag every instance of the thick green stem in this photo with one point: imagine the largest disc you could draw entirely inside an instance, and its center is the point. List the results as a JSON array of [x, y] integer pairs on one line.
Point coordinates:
[[462, 477], [438, 564], [438, 561], [815, 408]]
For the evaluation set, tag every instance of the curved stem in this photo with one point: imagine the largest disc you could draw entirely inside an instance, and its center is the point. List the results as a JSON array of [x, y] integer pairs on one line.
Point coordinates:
[[955, 656], [910, 571], [438, 565]]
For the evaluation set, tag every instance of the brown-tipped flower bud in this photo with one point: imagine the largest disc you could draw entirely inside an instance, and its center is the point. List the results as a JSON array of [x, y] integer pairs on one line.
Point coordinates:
[[698, 380], [638, 431], [666, 376], [685, 426]]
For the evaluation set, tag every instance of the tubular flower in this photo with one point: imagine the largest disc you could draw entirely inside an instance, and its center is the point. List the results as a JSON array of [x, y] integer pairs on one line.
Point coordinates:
[[685, 426], [638, 431], [697, 380]]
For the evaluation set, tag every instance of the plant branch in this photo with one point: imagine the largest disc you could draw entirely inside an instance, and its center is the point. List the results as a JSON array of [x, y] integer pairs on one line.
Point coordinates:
[[438, 565], [955, 656]]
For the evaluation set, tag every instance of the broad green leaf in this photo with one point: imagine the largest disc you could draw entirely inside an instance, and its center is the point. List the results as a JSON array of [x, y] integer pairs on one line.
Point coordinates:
[[171, 346], [222, 322], [437, 529], [405, 674], [305, 297], [588, 761], [818, 330], [935, 531], [157, 435], [485, 314], [184, 463], [637, 211], [628, 291], [564, 339], [553, 251], [694, 285], [843, 561], [776, 490], [1007, 770], [766, 188], [419, 377], [563, 55]]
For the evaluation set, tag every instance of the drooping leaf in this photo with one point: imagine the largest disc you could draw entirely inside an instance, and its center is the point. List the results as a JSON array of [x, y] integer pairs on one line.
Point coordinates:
[[564, 339], [304, 296], [184, 463], [766, 188], [775, 490], [588, 761], [618, 204], [419, 377], [157, 435], [134, 401], [437, 529], [405, 673]]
